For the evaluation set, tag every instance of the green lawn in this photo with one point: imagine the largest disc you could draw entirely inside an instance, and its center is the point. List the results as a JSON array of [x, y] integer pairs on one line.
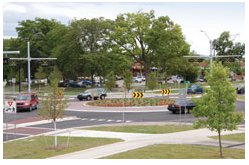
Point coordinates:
[[239, 137], [42, 146], [178, 151], [150, 129]]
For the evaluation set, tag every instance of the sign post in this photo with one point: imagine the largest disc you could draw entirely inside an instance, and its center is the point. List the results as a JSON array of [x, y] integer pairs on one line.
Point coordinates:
[[9, 108]]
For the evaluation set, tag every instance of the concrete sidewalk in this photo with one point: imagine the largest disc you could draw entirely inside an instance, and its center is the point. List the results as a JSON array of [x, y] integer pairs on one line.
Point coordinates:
[[137, 140]]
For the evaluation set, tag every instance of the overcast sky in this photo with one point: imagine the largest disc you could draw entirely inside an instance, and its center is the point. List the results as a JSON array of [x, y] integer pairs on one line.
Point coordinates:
[[212, 17]]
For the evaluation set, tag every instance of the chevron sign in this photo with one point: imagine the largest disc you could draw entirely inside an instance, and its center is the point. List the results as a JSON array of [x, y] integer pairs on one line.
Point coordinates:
[[137, 95], [165, 91]]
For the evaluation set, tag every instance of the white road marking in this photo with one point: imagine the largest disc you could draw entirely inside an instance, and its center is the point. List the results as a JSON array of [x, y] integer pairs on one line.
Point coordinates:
[[128, 121], [101, 119], [118, 120], [92, 119], [109, 120], [84, 119]]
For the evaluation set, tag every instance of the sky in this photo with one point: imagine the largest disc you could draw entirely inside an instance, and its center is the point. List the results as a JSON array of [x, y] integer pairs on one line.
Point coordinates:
[[211, 17]]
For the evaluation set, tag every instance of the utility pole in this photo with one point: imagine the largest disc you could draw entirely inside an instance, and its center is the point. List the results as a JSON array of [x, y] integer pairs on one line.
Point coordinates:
[[211, 48], [29, 59]]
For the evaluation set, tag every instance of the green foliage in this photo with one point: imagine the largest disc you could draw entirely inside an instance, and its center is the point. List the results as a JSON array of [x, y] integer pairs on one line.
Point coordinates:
[[218, 105], [224, 45], [40, 74], [127, 79], [110, 82], [54, 103], [152, 81], [235, 67], [179, 66], [22, 78], [215, 110]]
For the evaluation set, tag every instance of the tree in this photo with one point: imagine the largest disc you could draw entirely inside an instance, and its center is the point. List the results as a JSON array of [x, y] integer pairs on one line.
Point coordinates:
[[152, 80], [110, 83], [40, 74], [144, 38], [54, 104], [215, 110], [37, 32], [224, 45], [127, 75]]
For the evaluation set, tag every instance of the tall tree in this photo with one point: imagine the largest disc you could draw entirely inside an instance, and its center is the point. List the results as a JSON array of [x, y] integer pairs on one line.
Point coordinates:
[[216, 109], [54, 104], [147, 39], [37, 33], [224, 45]]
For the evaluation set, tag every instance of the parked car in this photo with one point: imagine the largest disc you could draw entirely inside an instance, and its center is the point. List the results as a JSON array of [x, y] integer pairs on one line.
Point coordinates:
[[95, 93], [76, 84], [27, 101], [137, 79], [194, 89], [240, 90], [180, 105], [84, 83]]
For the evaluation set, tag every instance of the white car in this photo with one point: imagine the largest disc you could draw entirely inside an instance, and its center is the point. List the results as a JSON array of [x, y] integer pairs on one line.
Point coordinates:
[[137, 79]]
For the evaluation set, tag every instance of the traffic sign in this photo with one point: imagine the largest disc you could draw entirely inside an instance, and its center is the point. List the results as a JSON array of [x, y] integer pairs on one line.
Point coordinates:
[[10, 107], [165, 91], [137, 95]]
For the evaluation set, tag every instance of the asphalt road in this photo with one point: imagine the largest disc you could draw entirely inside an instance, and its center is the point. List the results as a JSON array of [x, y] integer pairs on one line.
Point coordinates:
[[100, 118]]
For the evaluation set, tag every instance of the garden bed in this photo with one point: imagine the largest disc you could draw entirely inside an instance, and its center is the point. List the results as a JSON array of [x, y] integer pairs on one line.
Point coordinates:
[[128, 102]]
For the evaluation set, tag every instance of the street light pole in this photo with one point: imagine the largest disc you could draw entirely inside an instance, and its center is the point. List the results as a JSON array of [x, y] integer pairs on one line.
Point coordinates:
[[211, 47], [29, 59]]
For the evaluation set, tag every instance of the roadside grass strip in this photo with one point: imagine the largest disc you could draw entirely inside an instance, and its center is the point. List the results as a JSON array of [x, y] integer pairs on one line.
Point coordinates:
[[149, 129], [239, 137], [179, 151], [43, 146]]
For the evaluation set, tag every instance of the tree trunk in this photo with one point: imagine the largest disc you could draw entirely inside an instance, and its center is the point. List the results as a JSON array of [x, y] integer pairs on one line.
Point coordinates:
[[221, 152], [55, 136]]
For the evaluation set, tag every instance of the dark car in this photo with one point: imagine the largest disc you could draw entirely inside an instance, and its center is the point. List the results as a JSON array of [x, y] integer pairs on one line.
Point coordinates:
[[95, 93], [76, 84], [86, 82], [28, 101], [240, 90], [194, 89], [181, 105]]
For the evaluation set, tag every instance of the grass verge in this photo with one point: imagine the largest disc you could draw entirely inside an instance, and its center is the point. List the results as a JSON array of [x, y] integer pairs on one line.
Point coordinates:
[[42, 146], [241, 97], [150, 129], [239, 137], [178, 151]]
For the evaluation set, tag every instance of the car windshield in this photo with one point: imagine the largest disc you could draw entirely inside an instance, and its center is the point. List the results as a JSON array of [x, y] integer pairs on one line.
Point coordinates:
[[23, 97]]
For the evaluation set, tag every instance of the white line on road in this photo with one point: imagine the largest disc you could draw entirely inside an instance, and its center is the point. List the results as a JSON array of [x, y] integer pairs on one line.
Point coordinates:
[[118, 120], [101, 119], [128, 121], [92, 119], [84, 119], [109, 120]]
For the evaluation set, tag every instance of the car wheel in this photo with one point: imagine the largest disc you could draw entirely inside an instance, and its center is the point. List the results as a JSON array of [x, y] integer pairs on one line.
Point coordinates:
[[88, 98], [102, 97], [174, 112], [80, 99]]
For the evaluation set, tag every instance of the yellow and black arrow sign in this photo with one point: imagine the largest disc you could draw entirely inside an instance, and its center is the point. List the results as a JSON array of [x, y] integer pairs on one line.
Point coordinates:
[[165, 91], [137, 95]]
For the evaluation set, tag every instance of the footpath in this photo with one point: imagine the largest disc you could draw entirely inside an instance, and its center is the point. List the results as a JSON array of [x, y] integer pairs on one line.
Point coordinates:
[[137, 140]]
